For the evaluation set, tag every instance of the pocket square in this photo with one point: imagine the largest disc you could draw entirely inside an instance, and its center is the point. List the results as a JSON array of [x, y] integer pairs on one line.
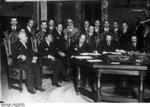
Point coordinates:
[[46, 48]]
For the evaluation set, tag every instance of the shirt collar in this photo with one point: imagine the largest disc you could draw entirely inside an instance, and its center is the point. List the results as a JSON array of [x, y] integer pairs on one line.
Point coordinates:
[[29, 28]]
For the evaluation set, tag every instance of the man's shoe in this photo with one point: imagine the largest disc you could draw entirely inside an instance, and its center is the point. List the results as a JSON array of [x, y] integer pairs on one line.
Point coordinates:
[[31, 91], [56, 84], [40, 89]]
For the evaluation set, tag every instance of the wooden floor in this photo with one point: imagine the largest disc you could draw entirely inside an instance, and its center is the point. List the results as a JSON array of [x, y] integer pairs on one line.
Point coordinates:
[[64, 94]]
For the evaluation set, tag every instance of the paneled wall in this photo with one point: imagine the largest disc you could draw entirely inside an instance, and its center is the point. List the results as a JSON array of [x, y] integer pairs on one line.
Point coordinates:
[[23, 11], [123, 11], [17, 9]]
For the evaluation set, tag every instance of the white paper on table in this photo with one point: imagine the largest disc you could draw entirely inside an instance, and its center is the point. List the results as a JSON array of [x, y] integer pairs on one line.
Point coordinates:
[[83, 57], [116, 53], [115, 63], [94, 60], [89, 54]]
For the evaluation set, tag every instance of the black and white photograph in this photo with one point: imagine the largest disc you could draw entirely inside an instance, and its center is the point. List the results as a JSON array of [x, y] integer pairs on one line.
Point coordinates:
[[74, 51]]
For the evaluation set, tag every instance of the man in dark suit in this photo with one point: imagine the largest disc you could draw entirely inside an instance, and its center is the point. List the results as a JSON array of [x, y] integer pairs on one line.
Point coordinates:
[[106, 26], [134, 45], [51, 26], [105, 30], [138, 31], [125, 37], [29, 29], [116, 31], [71, 33], [86, 26], [42, 31], [12, 30], [23, 52], [59, 41], [92, 38], [108, 44], [97, 27], [47, 52], [79, 47], [75, 49], [14, 26]]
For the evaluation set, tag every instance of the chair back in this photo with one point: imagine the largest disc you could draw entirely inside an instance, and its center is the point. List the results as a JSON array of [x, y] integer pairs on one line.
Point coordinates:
[[7, 44], [40, 37], [8, 41], [34, 44]]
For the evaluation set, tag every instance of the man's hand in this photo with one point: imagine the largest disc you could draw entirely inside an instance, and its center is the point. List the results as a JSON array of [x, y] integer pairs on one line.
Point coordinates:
[[23, 57], [51, 57], [34, 59], [96, 52], [62, 54]]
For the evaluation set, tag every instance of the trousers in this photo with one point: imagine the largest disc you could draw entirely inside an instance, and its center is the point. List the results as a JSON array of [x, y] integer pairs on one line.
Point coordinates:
[[33, 75], [57, 67]]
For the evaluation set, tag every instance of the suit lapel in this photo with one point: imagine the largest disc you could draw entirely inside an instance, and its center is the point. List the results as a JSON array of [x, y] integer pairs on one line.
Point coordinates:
[[21, 44]]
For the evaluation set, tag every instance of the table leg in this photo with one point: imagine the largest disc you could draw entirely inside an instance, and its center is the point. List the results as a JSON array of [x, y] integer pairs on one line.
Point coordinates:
[[87, 81], [98, 87], [141, 89], [78, 80]]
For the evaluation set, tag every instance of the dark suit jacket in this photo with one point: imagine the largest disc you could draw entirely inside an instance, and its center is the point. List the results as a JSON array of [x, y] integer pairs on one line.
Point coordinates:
[[130, 47], [59, 41], [116, 34], [29, 34], [50, 30], [19, 49], [124, 39], [9, 29], [104, 47], [83, 30], [138, 31], [44, 49], [74, 49], [103, 34], [102, 30], [99, 31], [93, 41]]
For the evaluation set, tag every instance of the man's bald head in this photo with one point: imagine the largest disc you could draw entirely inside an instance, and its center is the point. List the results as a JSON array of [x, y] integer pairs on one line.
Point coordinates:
[[22, 36]]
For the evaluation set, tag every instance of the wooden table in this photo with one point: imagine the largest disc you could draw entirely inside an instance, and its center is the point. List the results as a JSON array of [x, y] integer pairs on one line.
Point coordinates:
[[108, 68]]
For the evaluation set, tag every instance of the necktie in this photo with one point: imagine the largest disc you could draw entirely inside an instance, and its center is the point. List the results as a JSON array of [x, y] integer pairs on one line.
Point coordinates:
[[108, 43]]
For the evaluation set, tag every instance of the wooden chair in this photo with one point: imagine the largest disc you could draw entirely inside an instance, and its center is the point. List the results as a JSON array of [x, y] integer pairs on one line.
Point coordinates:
[[15, 73], [46, 71]]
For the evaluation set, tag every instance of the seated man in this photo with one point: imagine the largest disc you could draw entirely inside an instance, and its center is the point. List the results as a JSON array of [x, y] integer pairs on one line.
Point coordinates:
[[23, 52], [79, 47], [134, 45], [47, 52], [108, 44], [75, 49]]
